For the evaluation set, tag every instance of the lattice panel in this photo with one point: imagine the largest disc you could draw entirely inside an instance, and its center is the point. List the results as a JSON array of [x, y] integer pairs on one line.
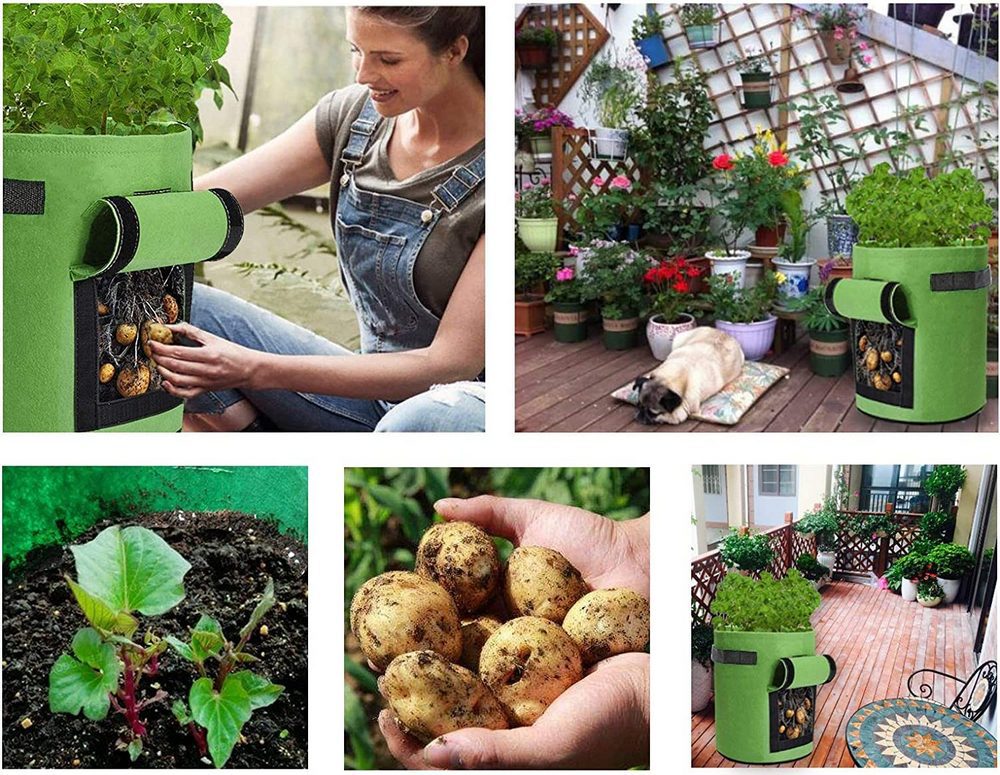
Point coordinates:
[[856, 553], [802, 544], [706, 573], [781, 544], [581, 37]]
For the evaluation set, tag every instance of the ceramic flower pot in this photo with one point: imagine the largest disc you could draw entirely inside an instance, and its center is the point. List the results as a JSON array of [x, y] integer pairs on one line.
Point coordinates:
[[654, 51], [828, 559], [950, 587], [660, 335], [828, 352], [841, 235], [701, 35], [570, 321], [541, 145], [929, 602], [908, 590], [838, 52], [756, 90], [620, 334], [797, 274], [729, 263], [755, 339], [540, 235], [701, 686], [609, 143]]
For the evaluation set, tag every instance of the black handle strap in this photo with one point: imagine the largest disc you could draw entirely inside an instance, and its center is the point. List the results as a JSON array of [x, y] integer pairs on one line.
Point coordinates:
[[733, 657], [23, 197], [961, 281]]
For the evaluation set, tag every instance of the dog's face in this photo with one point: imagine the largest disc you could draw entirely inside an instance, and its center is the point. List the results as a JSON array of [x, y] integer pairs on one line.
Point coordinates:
[[654, 399]]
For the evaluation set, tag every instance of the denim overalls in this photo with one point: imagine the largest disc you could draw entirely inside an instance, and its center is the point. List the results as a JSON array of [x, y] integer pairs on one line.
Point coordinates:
[[378, 239]]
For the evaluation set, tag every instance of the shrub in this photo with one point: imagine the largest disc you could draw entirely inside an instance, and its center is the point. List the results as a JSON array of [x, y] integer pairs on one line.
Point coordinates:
[[746, 552], [701, 643], [537, 36], [929, 588], [744, 604], [810, 567], [911, 566], [697, 14], [741, 305], [945, 482], [935, 526], [530, 269], [952, 561], [822, 523]]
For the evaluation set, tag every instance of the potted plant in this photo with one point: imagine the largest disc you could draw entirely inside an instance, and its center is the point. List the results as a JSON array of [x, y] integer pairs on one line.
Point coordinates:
[[770, 619], [536, 128], [608, 211], [671, 296], [647, 34], [837, 25], [745, 313], [701, 665], [829, 350], [531, 270], [754, 67], [746, 553], [929, 592], [943, 483], [568, 300], [535, 213], [698, 21], [874, 525], [673, 222], [613, 274], [535, 46], [614, 87], [812, 570], [937, 526], [823, 524], [791, 260], [910, 567], [952, 562]]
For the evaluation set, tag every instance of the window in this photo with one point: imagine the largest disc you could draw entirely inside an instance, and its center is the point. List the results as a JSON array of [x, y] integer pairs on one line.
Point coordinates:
[[711, 480], [899, 485], [776, 480]]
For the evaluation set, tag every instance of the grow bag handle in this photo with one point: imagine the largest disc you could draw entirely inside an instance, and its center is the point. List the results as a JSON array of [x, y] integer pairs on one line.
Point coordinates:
[[796, 672], [874, 300], [147, 231]]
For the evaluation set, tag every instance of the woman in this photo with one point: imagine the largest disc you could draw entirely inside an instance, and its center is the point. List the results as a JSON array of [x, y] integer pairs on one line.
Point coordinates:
[[404, 153]]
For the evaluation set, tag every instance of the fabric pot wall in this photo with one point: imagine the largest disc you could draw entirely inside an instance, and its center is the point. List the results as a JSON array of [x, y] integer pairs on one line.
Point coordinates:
[[925, 308], [759, 676], [81, 211], [47, 505]]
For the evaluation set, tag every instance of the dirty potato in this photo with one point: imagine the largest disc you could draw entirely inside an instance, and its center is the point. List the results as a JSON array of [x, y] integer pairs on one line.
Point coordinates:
[[475, 633], [106, 373], [541, 582], [399, 611], [527, 663], [430, 696], [171, 308], [157, 332], [462, 559], [606, 622], [133, 382], [125, 333], [102, 308]]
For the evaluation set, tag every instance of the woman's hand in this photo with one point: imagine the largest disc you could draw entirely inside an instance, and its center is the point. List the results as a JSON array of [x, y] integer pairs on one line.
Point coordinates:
[[215, 364]]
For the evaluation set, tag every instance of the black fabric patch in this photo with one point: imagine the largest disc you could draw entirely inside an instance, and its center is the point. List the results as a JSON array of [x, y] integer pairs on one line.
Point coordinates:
[[23, 197], [961, 281], [128, 243], [234, 223], [733, 657]]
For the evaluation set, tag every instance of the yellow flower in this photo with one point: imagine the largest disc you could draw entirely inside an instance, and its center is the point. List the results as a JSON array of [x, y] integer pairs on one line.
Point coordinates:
[[780, 278]]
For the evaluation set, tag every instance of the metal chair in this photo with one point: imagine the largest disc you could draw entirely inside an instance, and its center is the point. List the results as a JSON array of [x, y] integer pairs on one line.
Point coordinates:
[[976, 695]]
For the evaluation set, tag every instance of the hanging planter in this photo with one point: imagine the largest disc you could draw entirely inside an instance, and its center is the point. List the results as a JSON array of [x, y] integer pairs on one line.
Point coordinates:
[[535, 46], [647, 34], [758, 90], [609, 143], [838, 50]]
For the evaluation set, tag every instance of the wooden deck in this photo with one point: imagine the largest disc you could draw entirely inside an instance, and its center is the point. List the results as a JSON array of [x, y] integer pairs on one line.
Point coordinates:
[[567, 387], [877, 641]]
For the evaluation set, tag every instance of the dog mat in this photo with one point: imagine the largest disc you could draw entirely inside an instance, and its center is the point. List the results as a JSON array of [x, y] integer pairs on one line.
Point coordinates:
[[729, 405]]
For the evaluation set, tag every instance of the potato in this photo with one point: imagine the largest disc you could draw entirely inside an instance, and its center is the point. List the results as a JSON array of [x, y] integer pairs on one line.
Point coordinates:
[[171, 308], [475, 633], [462, 559], [606, 622], [106, 373], [399, 611], [541, 582], [133, 382], [527, 663], [125, 333], [430, 696], [102, 308], [155, 331]]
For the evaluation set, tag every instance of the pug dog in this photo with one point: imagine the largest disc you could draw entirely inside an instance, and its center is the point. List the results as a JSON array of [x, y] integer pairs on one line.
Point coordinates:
[[701, 363]]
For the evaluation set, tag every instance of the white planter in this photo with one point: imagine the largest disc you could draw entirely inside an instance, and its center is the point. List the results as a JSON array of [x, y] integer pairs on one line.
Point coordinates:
[[609, 143], [827, 558], [797, 276], [752, 272], [950, 587], [661, 335], [701, 686], [929, 602], [730, 263], [908, 590]]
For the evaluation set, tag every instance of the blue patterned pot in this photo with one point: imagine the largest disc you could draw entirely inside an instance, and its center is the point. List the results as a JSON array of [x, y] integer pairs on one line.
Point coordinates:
[[796, 283], [841, 234]]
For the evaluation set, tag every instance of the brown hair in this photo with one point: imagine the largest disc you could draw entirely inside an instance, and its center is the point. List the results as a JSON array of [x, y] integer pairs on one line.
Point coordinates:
[[440, 26]]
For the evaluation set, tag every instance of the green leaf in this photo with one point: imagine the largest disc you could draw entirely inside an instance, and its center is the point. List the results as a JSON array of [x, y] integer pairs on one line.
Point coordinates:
[[87, 681], [100, 614], [181, 648], [181, 713], [206, 639], [222, 714], [134, 748], [266, 604], [356, 726], [261, 691], [132, 570], [361, 674]]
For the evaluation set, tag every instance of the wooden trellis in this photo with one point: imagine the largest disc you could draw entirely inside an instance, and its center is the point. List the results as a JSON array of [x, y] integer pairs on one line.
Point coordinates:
[[580, 38]]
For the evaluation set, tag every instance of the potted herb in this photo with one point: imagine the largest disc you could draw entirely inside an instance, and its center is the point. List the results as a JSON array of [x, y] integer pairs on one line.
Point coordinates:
[[791, 260], [535, 47], [536, 128], [952, 562], [829, 354], [937, 526], [607, 212], [647, 34], [770, 619], [535, 213], [568, 299], [822, 523], [910, 567], [698, 21], [745, 313], [614, 86], [613, 274], [812, 570], [531, 269], [943, 483], [746, 553], [669, 285], [929, 592], [754, 67], [701, 665]]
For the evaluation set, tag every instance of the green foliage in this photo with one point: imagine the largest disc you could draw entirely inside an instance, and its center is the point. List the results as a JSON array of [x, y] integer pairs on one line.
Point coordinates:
[[536, 36], [356, 727], [810, 567], [744, 604], [701, 643], [746, 552], [648, 25], [599, 211], [531, 269], [912, 210], [912, 565], [613, 272], [697, 14], [754, 60], [952, 561], [823, 522], [869, 524], [944, 481], [612, 89], [935, 526], [535, 201], [673, 212], [741, 305], [222, 713], [799, 224], [75, 68], [86, 681], [928, 589], [818, 315]]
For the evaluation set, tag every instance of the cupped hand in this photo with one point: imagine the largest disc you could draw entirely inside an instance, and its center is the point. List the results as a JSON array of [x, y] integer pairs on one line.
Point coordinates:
[[214, 364]]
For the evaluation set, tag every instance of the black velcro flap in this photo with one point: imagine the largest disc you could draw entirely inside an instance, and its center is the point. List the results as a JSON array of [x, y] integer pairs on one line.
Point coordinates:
[[23, 197]]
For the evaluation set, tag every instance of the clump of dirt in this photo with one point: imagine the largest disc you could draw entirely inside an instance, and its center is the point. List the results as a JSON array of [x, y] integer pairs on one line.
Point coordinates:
[[232, 555]]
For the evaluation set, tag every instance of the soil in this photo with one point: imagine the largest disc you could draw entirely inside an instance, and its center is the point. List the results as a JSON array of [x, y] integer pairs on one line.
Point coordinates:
[[232, 555]]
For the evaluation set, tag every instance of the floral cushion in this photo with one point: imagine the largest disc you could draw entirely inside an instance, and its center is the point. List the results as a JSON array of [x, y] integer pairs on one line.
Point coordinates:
[[734, 400]]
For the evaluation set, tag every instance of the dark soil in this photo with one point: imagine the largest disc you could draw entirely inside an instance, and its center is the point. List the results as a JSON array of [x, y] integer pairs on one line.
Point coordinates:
[[231, 555]]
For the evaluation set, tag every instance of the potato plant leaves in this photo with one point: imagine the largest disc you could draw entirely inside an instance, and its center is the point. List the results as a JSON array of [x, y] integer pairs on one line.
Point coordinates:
[[266, 604], [224, 713], [101, 615], [87, 680], [206, 641]]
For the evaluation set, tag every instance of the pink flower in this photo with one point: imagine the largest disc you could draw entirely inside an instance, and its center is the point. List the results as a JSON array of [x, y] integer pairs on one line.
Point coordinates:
[[573, 251], [564, 274], [571, 197], [527, 185], [622, 182], [838, 33], [863, 46], [853, 33], [867, 59], [599, 182], [544, 181]]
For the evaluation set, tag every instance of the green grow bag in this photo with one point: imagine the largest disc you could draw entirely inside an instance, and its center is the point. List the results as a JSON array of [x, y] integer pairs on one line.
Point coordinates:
[[759, 678], [99, 230], [921, 312], [52, 505]]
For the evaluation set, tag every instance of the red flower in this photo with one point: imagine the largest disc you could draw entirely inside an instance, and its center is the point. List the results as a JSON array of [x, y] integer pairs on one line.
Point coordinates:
[[777, 158], [693, 271], [668, 272], [681, 286], [723, 162], [681, 263], [651, 276]]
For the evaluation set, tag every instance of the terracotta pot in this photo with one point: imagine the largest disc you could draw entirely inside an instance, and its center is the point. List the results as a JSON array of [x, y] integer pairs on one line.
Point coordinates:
[[769, 236], [838, 52], [529, 315], [534, 56]]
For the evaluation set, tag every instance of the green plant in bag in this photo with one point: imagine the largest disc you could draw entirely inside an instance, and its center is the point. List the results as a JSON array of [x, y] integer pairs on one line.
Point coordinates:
[[744, 604]]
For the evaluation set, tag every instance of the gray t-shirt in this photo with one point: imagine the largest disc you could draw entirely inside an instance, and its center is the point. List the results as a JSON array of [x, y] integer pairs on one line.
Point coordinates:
[[446, 251]]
